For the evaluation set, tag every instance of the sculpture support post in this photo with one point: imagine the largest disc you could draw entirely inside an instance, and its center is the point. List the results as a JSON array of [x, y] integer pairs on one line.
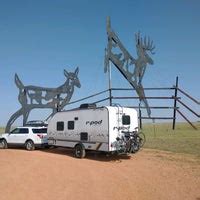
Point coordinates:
[[110, 84], [58, 103]]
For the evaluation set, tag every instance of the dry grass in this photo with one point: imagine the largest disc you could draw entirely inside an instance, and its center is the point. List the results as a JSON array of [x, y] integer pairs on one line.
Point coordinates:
[[182, 140], [2, 130]]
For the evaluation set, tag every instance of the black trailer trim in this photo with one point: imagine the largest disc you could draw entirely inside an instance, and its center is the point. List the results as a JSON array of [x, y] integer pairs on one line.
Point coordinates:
[[98, 146], [78, 141]]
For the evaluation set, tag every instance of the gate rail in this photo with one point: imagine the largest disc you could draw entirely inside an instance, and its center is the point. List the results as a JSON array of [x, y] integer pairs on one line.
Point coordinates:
[[176, 98]]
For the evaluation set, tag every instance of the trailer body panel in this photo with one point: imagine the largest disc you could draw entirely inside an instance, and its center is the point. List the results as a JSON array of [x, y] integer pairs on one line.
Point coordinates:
[[95, 128]]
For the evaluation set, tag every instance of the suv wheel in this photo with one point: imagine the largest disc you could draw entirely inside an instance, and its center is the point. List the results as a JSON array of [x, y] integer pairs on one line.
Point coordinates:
[[30, 145], [3, 144]]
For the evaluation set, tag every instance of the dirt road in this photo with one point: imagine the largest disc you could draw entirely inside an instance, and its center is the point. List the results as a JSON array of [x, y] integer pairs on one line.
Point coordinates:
[[56, 174]]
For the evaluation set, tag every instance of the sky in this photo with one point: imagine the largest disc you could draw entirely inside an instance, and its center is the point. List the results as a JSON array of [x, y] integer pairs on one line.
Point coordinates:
[[41, 38]]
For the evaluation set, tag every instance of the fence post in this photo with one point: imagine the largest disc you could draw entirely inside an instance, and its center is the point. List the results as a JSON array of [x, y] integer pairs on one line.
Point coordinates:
[[175, 102], [140, 116]]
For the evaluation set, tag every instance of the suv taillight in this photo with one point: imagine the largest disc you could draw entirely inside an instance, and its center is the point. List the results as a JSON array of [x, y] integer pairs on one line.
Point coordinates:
[[40, 136]]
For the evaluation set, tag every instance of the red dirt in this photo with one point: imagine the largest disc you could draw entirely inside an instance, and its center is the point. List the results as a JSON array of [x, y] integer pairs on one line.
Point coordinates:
[[56, 174]]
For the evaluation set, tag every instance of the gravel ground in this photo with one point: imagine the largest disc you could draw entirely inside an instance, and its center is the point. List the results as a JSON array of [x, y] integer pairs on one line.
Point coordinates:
[[56, 174]]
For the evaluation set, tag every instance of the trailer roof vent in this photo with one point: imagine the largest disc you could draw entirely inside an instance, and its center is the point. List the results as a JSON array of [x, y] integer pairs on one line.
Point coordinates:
[[88, 105]]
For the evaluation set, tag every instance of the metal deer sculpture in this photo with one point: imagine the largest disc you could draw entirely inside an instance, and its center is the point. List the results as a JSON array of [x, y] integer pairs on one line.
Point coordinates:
[[31, 97], [121, 58]]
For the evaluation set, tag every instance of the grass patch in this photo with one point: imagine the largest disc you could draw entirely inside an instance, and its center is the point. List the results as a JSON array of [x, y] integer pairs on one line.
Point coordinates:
[[182, 140], [2, 130]]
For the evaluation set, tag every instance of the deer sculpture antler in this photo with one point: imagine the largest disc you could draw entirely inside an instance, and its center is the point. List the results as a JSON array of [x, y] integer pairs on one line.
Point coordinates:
[[147, 44], [122, 59]]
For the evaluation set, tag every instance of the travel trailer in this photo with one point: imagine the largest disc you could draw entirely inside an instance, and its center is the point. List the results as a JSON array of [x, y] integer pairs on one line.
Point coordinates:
[[108, 129]]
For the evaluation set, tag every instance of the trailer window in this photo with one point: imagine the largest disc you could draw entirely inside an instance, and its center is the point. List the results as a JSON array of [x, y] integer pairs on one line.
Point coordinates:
[[84, 136], [60, 126], [126, 120], [71, 125]]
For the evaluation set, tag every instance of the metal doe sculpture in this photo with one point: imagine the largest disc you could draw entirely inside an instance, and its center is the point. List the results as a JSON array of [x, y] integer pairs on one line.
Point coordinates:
[[31, 97], [121, 58]]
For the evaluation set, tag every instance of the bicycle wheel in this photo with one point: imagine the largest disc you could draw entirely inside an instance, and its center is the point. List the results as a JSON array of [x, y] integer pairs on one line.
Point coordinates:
[[141, 139]]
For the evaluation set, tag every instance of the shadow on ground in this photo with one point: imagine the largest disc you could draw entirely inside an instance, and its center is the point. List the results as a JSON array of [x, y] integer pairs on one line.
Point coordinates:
[[92, 155]]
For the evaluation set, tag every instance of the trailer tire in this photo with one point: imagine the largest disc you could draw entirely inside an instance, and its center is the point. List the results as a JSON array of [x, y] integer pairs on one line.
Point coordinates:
[[79, 151]]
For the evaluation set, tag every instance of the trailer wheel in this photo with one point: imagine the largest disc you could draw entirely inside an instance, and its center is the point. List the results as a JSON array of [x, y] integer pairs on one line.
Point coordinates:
[[79, 151]]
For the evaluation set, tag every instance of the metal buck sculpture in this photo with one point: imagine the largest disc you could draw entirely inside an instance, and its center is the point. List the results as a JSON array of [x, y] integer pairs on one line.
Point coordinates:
[[121, 58], [31, 97]]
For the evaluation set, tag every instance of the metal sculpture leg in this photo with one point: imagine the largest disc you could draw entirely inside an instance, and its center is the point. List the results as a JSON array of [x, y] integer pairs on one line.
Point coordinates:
[[25, 116], [12, 119]]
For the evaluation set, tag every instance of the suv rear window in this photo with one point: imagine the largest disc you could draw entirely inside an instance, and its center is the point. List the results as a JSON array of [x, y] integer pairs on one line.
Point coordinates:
[[39, 130]]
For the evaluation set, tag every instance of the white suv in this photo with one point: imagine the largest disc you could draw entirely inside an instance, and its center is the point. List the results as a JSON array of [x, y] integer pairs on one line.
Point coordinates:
[[29, 137]]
